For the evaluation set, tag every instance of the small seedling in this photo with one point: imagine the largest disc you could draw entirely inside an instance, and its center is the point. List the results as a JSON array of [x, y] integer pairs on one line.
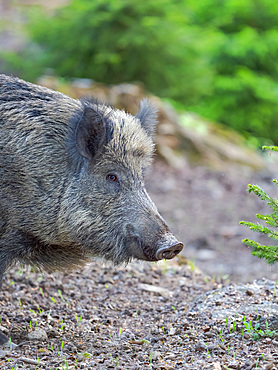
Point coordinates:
[[78, 320], [86, 354], [60, 294], [40, 311], [151, 358], [208, 352], [41, 291], [191, 264], [256, 332], [67, 365], [62, 346], [220, 336]]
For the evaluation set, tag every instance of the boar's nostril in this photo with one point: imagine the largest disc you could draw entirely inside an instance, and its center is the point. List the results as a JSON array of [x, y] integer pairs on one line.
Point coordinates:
[[169, 252]]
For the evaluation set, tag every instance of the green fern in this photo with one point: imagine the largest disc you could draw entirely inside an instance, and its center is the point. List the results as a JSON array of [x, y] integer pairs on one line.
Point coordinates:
[[267, 252]]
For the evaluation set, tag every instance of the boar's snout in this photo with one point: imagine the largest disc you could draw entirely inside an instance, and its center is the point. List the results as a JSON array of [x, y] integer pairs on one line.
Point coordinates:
[[152, 246], [168, 253]]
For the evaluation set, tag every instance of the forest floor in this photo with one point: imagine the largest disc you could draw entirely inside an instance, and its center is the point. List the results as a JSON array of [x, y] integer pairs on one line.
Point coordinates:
[[181, 314]]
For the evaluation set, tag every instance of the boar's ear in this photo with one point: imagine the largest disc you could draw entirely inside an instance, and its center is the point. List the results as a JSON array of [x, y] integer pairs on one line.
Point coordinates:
[[147, 116], [91, 132]]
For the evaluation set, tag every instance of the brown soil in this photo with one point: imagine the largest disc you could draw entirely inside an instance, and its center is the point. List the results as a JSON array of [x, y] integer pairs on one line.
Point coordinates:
[[204, 209]]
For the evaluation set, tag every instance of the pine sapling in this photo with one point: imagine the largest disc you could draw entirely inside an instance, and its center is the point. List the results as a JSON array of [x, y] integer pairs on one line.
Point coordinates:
[[268, 252]]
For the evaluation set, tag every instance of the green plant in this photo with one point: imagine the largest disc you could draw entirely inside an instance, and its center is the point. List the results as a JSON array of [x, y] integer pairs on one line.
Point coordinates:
[[53, 300], [242, 55], [86, 354], [62, 346], [78, 319], [255, 330], [151, 358], [41, 291], [60, 294], [268, 252], [119, 41]]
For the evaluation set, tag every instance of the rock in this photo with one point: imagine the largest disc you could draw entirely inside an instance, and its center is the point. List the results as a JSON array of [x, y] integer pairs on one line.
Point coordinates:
[[9, 345], [155, 355], [216, 144], [155, 289], [38, 334], [200, 346]]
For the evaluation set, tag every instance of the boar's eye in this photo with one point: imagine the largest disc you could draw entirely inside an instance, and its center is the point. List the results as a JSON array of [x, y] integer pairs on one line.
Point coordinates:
[[111, 177]]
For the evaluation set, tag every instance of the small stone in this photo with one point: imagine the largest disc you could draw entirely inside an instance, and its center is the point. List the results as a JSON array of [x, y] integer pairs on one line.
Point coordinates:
[[155, 289], [2, 354], [209, 334], [221, 345], [52, 333], [172, 331], [38, 334], [269, 366], [233, 365], [200, 346], [9, 345], [217, 366], [155, 355], [170, 356]]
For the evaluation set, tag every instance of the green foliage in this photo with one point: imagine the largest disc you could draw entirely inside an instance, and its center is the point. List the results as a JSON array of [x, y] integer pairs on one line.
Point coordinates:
[[217, 58], [244, 92], [268, 252], [256, 332], [119, 41]]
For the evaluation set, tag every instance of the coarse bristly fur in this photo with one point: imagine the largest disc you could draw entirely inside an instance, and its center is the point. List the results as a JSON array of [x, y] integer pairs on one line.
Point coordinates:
[[72, 180]]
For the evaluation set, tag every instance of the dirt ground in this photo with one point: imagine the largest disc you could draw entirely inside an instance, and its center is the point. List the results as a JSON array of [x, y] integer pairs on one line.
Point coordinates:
[[204, 209]]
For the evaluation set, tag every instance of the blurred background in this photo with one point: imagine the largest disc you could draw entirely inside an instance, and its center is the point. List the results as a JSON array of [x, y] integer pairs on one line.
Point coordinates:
[[210, 66]]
